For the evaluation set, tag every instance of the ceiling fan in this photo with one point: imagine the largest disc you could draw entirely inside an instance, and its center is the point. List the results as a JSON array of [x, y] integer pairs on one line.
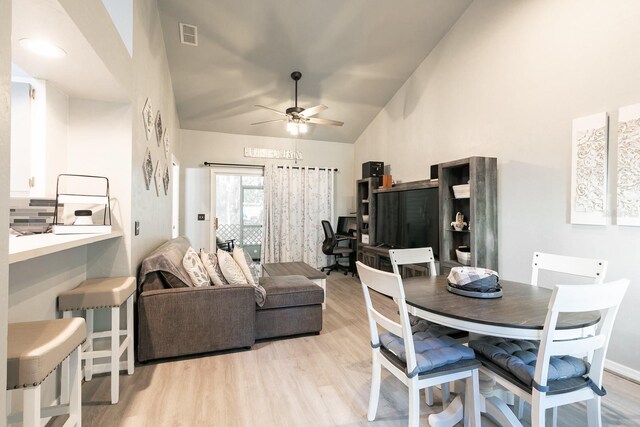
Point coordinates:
[[298, 117]]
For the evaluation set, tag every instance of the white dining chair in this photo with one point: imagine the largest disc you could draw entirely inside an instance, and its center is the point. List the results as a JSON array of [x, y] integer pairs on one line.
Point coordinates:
[[586, 385], [400, 257], [396, 351], [590, 268], [585, 267]]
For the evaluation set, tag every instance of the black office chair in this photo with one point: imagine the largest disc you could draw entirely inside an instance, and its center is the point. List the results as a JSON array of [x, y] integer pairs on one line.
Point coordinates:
[[330, 247]]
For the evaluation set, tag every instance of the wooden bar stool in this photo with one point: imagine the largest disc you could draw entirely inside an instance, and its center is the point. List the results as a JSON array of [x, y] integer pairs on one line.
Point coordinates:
[[92, 294], [34, 350]]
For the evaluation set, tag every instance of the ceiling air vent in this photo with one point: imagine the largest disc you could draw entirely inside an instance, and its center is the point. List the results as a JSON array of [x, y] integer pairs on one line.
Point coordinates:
[[189, 34]]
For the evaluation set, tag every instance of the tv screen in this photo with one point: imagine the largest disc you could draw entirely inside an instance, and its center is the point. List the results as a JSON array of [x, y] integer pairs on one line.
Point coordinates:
[[408, 219]]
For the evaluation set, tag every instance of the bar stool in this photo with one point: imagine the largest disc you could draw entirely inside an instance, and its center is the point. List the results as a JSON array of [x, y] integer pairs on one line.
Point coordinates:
[[34, 350], [92, 294]]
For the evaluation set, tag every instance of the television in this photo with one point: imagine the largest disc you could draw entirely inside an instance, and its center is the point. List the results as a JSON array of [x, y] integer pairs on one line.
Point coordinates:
[[408, 219]]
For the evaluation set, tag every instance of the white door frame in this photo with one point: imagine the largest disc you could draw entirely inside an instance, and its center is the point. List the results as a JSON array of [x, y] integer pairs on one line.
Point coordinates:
[[226, 170], [175, 203]]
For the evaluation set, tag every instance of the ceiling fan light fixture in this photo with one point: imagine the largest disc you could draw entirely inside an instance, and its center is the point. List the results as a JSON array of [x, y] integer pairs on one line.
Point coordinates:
[[296, 127], [292, 128]]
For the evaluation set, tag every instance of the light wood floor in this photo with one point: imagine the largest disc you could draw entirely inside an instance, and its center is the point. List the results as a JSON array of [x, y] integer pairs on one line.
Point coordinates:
[[306, 381]]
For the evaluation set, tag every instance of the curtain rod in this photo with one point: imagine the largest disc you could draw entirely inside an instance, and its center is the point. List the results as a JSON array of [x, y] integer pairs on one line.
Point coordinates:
[[245, 165], [237, 165]]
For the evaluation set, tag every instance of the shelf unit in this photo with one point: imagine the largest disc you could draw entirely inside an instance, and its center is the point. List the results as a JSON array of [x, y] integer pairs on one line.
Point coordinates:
[[479, 210], [366, 214]]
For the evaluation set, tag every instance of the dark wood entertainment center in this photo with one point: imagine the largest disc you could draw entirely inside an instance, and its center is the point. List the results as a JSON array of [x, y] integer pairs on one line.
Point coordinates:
[[479, 210]]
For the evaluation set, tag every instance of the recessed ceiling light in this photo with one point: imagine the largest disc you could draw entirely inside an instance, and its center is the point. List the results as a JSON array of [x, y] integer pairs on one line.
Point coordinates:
[[43, 48]]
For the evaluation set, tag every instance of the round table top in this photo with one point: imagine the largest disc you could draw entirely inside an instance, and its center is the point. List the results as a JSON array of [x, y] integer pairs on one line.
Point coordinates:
[[521, 306]]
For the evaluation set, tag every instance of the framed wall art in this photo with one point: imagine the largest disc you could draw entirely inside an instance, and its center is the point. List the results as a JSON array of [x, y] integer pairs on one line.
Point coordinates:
[[147, 168], [147, 118], [158, 127], [165, 179], [628, 189], [589, 170], [158, 178], [165, 142]]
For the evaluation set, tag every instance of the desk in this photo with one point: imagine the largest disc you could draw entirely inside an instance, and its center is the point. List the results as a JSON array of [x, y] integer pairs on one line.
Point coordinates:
[[520, 314]]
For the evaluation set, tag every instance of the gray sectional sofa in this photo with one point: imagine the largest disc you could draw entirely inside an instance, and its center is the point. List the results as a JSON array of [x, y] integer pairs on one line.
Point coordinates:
[[176, 319]]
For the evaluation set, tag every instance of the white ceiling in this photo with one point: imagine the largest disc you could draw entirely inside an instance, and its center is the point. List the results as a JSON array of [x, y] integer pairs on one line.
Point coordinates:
[[81, 73], [353, 54]]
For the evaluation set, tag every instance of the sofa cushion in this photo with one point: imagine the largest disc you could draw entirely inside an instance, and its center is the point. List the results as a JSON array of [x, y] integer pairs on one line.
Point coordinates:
[[290, 291], [250, 269], [210, 262], [195, 269], [230, 269], [238, 256]]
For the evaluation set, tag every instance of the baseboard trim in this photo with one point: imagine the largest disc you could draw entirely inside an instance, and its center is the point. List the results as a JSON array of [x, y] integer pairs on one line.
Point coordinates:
[[622, 371]]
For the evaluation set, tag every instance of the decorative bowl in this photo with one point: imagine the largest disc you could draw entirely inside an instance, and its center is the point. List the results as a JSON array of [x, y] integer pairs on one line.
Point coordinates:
[[462, 191]]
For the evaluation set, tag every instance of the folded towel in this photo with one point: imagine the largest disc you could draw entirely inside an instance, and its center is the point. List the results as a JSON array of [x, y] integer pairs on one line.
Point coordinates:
[[474, 279]]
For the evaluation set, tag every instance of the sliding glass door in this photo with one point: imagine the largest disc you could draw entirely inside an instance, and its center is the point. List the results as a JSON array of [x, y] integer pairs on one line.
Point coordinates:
[[238, 208]]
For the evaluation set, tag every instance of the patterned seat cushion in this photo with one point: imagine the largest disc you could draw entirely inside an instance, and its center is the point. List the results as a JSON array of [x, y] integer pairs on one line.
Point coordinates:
[[431, 352], [519, 358], [419, 325]]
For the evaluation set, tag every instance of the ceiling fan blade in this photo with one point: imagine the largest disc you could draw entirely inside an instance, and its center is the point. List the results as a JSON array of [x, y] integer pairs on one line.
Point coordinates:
[[270, 121], [308, 112], [271, 109], [320, 121]]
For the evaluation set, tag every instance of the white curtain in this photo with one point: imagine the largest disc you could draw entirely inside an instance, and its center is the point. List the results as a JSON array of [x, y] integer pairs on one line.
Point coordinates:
[[296, 200]]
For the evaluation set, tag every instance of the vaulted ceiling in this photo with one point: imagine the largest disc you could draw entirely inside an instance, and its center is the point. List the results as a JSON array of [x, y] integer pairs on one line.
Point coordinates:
[[353, 54]]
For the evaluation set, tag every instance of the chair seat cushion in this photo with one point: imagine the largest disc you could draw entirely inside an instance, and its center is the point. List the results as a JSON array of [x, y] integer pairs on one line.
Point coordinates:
[[419, 325], [97, 293], [431, 352], [519, 357], [35, 349], [290, 291]]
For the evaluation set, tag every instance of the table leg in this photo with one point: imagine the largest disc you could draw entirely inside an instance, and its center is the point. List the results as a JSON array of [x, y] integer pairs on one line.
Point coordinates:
[[452, 415]]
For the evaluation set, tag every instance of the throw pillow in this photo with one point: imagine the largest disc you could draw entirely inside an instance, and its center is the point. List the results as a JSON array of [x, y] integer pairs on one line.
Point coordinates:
[[210, 262], [240, 257], [230, 269], [196, 271]]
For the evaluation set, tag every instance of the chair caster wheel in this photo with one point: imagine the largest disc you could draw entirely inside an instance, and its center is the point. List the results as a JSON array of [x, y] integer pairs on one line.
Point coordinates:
[[345, 273]]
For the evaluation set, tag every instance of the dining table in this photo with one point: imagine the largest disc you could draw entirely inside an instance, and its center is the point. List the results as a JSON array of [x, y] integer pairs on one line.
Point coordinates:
[[519, 313]]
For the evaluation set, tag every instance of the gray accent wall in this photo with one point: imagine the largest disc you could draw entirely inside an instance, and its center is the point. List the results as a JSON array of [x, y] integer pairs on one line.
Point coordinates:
[[506, 82]]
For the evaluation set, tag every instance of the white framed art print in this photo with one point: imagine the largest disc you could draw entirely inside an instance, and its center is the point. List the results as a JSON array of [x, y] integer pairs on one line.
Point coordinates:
[[589, 170], [628, 189]]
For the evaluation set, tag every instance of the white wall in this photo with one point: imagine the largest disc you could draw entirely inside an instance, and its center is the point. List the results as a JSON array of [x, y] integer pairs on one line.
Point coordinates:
[[56, 134], [151, 79], [507, 81], [199, 147], [99, 143], [5, 146]]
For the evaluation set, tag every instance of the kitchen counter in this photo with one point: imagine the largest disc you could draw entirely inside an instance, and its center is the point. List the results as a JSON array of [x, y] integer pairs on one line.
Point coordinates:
[[23, 248]]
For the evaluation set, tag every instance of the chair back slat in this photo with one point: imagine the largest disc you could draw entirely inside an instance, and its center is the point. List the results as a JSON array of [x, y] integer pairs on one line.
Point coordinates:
[[386, 323], [605, 298], [584, 267], [576, 346], [412, 256], [390, 285]]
